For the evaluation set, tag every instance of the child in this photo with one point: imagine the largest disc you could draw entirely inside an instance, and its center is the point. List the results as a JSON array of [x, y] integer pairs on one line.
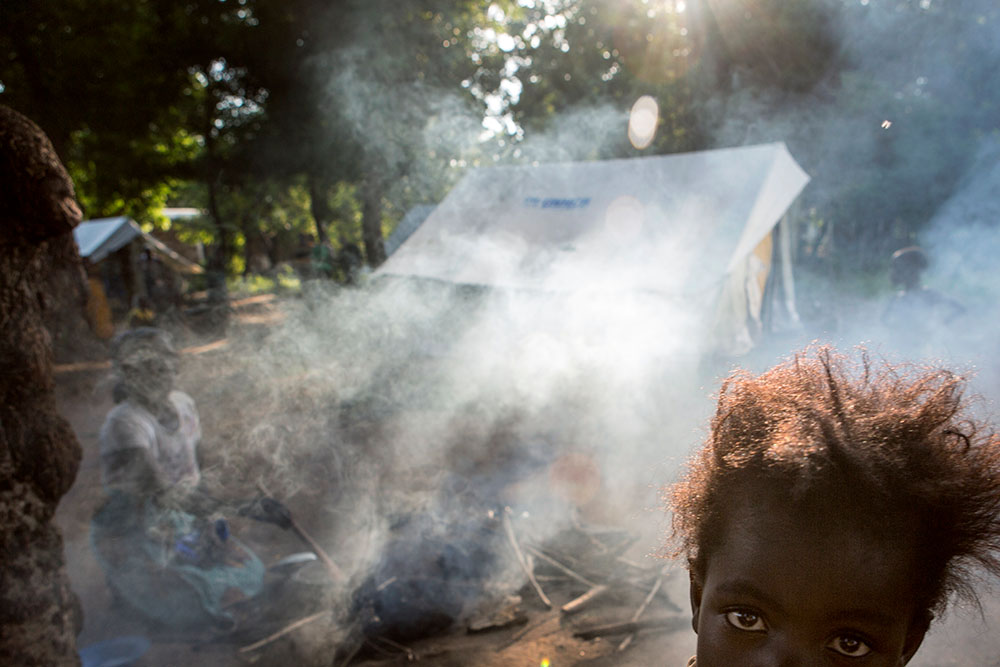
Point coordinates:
[[833, 512]]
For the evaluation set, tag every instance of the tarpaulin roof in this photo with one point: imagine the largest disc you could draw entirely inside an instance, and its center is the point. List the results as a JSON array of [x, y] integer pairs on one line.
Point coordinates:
[[99, 238], [669, 224]]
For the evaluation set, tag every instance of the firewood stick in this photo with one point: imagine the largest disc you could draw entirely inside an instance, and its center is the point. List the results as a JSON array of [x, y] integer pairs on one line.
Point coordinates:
[[626, 627], [509, 529], [573, 574], [560, 566], [579, 603], [645, 603], [282, 632], [663, 593], [410, 655], [354, 649], [335, 572]]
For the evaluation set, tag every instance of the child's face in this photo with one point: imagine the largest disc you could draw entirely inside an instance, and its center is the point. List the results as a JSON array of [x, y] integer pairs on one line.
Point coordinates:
[[783, 590]]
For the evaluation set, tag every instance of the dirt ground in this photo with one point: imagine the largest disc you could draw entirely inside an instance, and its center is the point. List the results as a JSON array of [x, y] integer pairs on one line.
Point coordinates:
[[963, 639], [84, 399]]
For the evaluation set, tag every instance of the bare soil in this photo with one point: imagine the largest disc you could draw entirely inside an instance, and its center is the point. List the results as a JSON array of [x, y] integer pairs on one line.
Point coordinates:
[[84, 393]]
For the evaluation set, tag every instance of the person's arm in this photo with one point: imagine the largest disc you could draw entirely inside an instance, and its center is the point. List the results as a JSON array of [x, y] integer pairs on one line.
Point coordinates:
[[131, 469]]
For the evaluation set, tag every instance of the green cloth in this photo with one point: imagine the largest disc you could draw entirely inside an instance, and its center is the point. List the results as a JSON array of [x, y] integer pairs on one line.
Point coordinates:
[[322, 260], [171, 566]]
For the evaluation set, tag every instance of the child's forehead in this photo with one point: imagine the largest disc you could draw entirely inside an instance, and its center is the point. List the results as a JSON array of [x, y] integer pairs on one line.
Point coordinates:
[[825, 518], [810, 569]]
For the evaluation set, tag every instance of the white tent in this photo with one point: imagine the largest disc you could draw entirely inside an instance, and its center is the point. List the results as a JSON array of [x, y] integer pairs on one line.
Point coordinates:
[[409, 224], [693, 225], [99, 238]]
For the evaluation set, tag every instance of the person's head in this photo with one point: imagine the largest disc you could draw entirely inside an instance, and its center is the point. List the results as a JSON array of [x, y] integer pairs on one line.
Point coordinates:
[[906, 266], [834, 509], [146, 363]]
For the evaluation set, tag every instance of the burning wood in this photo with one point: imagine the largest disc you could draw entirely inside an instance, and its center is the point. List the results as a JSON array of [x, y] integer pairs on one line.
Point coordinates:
[[509, 530], [638, 612], [565, 569], [627, 627], [610, 579], [291, 627], [578, 604], [590, 591]]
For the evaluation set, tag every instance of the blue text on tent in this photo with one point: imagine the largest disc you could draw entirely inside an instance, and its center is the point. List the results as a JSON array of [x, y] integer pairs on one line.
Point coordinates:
[[556, 202]]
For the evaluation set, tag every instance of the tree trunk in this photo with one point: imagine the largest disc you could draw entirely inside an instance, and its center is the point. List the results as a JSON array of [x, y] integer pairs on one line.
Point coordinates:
[[39, 454], [371, 222], [319, 206], [710, 47], [222, 250]]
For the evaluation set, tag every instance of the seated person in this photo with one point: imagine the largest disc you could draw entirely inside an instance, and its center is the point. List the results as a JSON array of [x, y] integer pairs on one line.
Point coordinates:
[[833, 512], [164, 547]]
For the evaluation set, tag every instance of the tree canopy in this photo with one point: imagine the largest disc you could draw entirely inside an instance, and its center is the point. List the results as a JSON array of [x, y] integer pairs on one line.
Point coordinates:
[[284, 117]]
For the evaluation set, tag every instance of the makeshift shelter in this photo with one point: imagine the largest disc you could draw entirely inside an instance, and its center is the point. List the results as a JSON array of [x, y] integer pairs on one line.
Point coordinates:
[[99, 238], [116, 285], [702, 227]]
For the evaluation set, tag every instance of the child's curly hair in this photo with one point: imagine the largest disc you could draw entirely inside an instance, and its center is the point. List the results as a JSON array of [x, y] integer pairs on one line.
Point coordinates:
[[893, 440]]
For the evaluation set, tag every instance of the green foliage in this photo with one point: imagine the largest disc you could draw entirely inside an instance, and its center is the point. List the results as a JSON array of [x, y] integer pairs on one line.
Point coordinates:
[[282, 281], [593, 59], [109, 82], [278, 116], [346, 206]]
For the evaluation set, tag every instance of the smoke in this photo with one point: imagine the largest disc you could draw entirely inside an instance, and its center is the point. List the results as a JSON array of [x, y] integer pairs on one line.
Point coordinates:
[[887, 128], [407, 414], [963, 236], [577, 134], [962, 241], [409, 405], [893, 137]]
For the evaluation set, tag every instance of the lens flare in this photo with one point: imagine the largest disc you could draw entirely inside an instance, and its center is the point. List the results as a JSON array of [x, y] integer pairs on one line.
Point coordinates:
[[642, 121]]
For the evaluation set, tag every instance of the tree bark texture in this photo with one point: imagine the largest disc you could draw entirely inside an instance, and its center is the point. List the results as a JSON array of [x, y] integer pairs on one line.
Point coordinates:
[[39, 455], [371, 223]]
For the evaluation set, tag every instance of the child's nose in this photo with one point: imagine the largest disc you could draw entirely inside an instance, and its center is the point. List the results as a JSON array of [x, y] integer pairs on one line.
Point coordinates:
[[786, 651]]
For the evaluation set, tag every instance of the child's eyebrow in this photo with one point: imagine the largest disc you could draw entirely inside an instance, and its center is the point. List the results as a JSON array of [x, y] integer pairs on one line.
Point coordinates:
[[868, 617], [744, 588]]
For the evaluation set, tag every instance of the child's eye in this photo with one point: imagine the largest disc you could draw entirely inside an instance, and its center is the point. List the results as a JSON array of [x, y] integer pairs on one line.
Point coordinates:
[[850, 646], [744, 619]]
